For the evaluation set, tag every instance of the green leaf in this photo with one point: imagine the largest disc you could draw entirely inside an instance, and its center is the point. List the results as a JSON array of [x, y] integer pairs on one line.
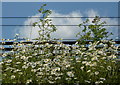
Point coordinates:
[[34, 24], [84, 30], [48, 35], [87, 20], [80, 25], [54, 29], [41, 20], [46, 11], [40, 10], [111, 33], [77, 34], [44, 4]]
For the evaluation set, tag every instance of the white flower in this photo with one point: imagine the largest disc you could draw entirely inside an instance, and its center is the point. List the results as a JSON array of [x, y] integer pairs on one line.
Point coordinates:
[[82, 68], [70, 74], [12, 77], [78, 60], [67, 66], [75, 78], [33, 70], [87, 81], [24, 66], [88, 63], [7, 64], [39, 73], [100, 52], [57, 69], [84, 62], [28, 40], [16, 56], [109, 68], [103, 58], [57, 78], [29, 56], [16, 34], [85, 58], [46, 60], [20, 73], [8, 40], [97, 82], [19, 44], [25, 63], [1, 63], [96, 73], [93, 64], [33, 65], [4, 55], [88, 71], [8, 61], [76, 43], [24, 58], [112, 56], [51, 82], [5, 74], [53, 72], [102, 79], [23, 51], [16, 70], [68, 79], [94, 58], [18, 62], [28, 81]]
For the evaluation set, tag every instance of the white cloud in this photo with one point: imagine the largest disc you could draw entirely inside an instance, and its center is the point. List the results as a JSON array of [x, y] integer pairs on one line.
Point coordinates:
[[67, 31], [92, 13], [28, 31], [64, 31]]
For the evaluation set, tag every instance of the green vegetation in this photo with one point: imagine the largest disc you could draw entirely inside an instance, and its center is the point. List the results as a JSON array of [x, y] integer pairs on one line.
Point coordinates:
[[59, 63]]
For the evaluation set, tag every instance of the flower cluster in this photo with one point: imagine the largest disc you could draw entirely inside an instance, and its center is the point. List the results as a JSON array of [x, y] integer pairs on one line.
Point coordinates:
[[60, 63]]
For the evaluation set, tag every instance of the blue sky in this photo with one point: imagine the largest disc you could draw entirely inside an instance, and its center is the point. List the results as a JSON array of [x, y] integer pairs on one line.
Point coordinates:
[[25, 9], [60, 0]]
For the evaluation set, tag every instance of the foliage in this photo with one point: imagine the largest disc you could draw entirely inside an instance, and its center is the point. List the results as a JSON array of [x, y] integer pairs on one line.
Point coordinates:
[[45, 24], [94, 31], [43, 62]]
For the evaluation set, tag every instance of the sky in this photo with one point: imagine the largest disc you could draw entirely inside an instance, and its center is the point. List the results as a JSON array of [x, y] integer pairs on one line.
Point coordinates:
[[69, 9], [0, 20], [60, 0]]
